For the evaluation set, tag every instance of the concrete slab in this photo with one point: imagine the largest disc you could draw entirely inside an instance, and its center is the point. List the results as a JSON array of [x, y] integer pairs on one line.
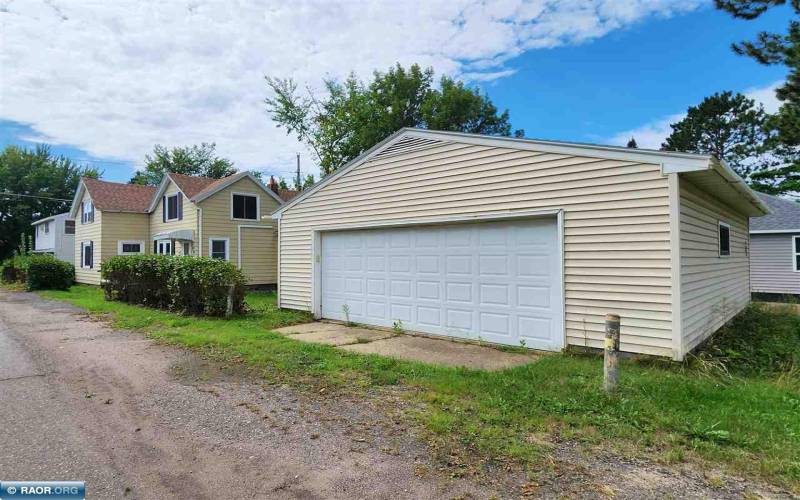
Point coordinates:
[[443, 352], [333, 334], [423, 349]]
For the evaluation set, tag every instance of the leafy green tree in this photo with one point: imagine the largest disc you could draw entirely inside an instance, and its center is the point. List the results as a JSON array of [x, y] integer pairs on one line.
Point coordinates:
[[776, 49], [729, 126], [354, 116], [304, 184], [35, 184], [190, 160]]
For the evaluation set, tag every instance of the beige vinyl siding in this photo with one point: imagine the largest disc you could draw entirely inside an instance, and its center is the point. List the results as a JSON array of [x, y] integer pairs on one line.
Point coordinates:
[[260, 254], [123, 226], [189, 220], [713, 288], [616, 225], [217, 222], [772, 258], [88, 232]]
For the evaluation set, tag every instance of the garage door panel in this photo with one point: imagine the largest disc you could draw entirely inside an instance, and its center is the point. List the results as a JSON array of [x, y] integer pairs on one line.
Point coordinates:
[[498, 281]]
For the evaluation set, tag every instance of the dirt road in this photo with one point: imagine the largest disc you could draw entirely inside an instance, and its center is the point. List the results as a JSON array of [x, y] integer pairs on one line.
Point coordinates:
[[80, 401]]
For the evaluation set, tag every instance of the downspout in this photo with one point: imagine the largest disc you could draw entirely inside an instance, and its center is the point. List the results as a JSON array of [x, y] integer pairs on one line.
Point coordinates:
[[199, 232]]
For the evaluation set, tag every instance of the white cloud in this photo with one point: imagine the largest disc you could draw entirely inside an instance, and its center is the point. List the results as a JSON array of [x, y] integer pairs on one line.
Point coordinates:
[[116, 77], [652, 134]]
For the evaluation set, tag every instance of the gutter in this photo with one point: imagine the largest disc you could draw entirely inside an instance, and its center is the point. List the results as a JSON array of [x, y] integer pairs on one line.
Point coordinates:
[[740, 185]]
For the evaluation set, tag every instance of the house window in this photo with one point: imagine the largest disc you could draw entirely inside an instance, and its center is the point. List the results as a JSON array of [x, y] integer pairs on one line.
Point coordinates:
[[130, 247], [187, 248], [87, 254], [69, 227], [218, 248], [46, 228], [724, 239], [87, 212], [796, 253], [164, 247], [173, 207], [245, 206]]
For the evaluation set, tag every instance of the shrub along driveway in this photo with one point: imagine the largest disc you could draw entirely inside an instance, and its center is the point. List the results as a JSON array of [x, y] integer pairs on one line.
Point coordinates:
[[537, 418]]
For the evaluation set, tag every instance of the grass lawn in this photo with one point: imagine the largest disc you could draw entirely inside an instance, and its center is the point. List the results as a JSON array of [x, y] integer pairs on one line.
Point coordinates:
[[745, 421]]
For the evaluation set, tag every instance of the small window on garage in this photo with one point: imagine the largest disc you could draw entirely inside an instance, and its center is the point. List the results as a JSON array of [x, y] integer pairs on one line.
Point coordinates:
[[724, 239], [218, 248], [796, 252], [245, 206]]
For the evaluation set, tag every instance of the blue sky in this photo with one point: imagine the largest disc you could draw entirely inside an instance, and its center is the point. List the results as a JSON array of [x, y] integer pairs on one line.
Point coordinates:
[[629, 72]]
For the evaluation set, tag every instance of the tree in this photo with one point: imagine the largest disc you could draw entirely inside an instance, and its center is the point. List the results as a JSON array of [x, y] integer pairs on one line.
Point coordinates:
[[190, 160], [776, 49], [729, 126], [632, 143], [354, 116], [35, 184], [304, 184]]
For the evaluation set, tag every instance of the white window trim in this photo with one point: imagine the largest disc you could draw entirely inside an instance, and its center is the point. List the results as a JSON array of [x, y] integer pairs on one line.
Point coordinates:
[[258, 205], [795, 253], [227, 246], [730, 239], [84, 219], [177, 207], [130, 242], [84, 245]]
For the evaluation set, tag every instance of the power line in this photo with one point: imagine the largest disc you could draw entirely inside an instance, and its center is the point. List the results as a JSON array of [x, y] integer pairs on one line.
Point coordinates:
[[6, 193]]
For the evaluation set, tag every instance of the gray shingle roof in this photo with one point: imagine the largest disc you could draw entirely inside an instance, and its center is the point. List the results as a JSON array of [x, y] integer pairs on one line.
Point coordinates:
[[785, 215]]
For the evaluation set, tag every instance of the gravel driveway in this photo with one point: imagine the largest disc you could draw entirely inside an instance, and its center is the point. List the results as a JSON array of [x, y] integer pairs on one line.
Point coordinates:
[[80, 401]]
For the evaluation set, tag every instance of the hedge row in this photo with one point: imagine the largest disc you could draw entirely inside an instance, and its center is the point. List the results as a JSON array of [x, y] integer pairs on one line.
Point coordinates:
[[38, 272], [191, 285]]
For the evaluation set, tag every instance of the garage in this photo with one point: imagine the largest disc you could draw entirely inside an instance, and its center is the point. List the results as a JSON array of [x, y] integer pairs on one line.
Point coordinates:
[[497, 281]]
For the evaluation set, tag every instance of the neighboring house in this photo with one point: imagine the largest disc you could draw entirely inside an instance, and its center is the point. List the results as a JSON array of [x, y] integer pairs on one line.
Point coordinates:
[[522, 242], [184, 215], [775, 248], [55, 235]]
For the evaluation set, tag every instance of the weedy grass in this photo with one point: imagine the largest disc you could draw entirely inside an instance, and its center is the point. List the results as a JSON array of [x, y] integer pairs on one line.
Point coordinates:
[[744, 417]]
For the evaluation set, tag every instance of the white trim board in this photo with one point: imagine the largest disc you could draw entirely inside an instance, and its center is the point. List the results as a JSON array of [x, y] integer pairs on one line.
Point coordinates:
[[227, 246]]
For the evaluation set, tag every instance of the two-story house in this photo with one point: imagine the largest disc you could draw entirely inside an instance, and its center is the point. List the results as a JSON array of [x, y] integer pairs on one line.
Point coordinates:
[[55, 235], [184, 215]]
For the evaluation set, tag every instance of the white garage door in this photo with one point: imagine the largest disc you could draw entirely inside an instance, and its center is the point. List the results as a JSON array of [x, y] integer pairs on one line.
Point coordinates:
[[496, 281]]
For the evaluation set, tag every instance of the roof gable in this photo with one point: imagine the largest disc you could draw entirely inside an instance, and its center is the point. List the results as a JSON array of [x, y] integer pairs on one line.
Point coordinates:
[[784, 216], [409, 140]]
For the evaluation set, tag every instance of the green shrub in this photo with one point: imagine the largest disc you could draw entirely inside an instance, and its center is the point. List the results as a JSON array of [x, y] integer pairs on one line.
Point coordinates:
[[13, 270], [38, 272], [44, 272], [192, 285]]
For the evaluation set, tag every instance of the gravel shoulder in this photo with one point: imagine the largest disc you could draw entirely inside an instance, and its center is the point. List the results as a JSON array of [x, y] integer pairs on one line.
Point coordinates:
[[137, 419]]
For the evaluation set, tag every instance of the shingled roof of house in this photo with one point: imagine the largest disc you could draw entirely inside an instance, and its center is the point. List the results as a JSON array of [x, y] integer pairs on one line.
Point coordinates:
[[784, 216], [118, 197]]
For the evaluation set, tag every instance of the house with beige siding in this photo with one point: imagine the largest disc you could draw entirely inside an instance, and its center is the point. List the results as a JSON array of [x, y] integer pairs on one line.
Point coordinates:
[[224, 218], [775, 248], [522, 242]]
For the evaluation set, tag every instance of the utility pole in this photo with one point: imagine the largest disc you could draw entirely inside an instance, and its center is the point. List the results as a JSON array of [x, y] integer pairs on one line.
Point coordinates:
[[299, 180]]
